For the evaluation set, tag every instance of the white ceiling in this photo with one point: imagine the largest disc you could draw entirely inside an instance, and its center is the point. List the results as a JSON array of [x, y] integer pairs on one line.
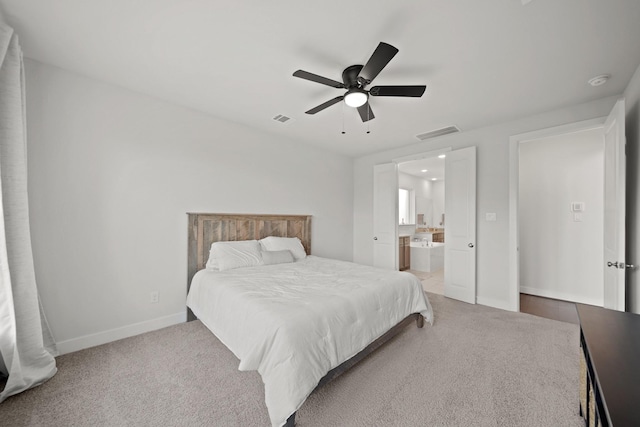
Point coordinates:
[[434, 167], [484, 62]]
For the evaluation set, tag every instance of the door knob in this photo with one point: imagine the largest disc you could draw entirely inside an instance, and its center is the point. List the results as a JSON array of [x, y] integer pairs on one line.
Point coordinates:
[[375, 238], [620, 265], [470, 245]]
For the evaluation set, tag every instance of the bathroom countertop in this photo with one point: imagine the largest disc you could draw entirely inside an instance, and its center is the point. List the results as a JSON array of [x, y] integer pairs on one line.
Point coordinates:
[[429, 230]]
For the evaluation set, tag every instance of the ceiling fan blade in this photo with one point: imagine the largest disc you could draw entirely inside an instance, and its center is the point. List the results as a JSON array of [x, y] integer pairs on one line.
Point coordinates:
[[380, 58], [415, 91], [366, 113], [325, 105], [318, 79]]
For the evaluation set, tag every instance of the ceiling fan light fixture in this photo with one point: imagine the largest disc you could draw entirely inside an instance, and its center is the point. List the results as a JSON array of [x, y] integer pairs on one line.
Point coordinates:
[[356, 97]]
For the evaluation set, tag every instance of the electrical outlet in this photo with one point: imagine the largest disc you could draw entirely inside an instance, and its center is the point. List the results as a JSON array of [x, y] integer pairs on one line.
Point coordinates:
[[155, 297]]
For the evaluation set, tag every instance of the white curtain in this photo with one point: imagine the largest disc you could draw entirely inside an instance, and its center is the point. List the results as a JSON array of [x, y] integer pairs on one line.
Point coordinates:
[[26, 345]]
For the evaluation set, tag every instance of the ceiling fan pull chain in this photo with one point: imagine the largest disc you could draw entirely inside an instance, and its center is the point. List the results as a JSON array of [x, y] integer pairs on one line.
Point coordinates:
[[343, 132]]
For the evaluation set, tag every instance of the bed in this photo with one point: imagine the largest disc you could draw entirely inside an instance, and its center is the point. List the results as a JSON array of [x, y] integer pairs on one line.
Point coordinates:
[[301, 321]]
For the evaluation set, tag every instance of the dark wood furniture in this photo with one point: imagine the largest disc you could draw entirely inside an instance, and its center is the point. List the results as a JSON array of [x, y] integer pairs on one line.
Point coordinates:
[[609, 367], [206, 228]]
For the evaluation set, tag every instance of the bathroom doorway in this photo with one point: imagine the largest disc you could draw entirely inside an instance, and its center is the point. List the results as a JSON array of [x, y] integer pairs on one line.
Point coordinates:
[[421, 204], [459, 229]]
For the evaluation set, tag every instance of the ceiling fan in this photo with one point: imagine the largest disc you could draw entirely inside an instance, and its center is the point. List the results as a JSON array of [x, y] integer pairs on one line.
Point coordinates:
[[355, 79]]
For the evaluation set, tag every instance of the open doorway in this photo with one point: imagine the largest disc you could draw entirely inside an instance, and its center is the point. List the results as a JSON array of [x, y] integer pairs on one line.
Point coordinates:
[[561, 216], [421, 207], [561, 223], [609, 133], [459, 238]]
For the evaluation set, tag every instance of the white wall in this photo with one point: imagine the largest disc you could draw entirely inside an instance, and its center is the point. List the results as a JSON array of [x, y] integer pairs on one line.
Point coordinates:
[[112, 174], [492, 253], [421, 189], [632, 102], [438, 204], [559, 257]]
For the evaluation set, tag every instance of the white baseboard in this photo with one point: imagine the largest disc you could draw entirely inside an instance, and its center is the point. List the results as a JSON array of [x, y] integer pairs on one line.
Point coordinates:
[[104, 337], [495, 303], [560, 295]]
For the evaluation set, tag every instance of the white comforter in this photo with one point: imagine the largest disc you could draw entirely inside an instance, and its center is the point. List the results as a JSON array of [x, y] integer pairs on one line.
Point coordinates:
[[295, 322]]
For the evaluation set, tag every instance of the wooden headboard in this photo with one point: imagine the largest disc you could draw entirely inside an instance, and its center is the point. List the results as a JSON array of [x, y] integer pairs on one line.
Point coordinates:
[[207, 228]]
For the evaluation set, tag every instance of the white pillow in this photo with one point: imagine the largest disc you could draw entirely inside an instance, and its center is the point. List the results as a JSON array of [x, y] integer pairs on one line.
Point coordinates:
[[212, 263], [230, 255], [292, 244], [277, 257]]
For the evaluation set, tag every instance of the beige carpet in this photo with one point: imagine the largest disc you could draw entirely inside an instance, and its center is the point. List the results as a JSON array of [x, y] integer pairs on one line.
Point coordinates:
[[476, 366]]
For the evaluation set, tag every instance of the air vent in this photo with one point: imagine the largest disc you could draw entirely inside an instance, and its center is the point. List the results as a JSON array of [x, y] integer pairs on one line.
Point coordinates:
[[438, 132], [282, 119]]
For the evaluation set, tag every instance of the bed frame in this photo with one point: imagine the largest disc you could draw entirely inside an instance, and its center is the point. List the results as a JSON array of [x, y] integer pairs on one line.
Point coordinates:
[[207, 228]]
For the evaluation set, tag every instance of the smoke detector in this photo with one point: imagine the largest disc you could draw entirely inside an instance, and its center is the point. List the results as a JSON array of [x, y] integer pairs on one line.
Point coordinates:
[[599, 80]]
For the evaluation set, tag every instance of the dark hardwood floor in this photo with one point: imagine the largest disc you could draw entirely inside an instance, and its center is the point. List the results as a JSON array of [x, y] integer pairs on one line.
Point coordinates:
[[563, 311]]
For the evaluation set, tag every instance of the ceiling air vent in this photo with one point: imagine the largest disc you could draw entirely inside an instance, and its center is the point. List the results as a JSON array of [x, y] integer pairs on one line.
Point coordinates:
[[438, 132], [281, 118]]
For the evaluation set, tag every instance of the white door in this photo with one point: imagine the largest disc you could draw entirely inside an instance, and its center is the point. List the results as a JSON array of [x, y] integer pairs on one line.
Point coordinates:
[[614, 208], [385, 216], [460, 225]]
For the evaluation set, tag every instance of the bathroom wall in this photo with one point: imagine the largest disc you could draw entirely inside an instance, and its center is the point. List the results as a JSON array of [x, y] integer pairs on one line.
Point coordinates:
[[422, 192], [437, 191]]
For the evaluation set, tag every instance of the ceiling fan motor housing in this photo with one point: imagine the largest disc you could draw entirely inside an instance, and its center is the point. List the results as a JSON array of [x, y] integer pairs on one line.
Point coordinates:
[[350, 77]]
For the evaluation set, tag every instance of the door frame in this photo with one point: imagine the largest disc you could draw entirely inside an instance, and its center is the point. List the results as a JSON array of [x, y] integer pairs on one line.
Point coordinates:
[[615, 298], [422, 155], [385, 202], [411, 158], [461, 207], [514, 174]]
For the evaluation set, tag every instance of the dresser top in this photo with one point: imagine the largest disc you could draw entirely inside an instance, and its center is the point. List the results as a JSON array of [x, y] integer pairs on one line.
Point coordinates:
[[613, 343]]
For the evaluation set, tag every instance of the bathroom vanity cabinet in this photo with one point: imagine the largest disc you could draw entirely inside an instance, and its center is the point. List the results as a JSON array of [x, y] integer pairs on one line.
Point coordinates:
[[404, 252]]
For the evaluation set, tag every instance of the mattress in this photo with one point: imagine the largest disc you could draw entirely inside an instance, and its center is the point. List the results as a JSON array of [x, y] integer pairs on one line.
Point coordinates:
[[294, 322]]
